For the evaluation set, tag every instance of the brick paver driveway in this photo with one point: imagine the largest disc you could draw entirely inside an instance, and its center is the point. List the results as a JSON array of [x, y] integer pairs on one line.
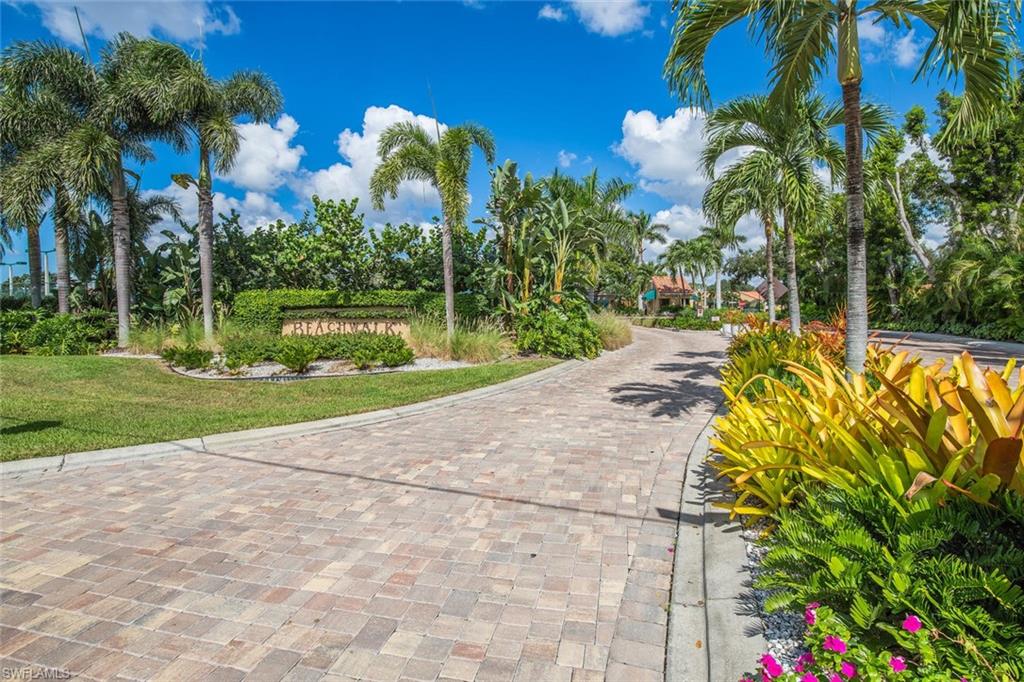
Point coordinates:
[[526, 536]]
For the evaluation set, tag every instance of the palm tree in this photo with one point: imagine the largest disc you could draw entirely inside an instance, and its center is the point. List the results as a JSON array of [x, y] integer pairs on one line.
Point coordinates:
[[408, 152], [512, 206], [737, 192], [803, 37], [31, 171], [205, 109], [641, 229], [787, 145], [721, 236], [116, 100]]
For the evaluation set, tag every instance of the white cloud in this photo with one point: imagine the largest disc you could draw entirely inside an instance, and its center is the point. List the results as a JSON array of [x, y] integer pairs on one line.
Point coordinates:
[[255, 209], [869, 31], [666, 152], [684, 222], [552, 13], [611, 17], [180, 20], [351, 178], [905, 51], [565, 158], [881, 44], [266, 157]]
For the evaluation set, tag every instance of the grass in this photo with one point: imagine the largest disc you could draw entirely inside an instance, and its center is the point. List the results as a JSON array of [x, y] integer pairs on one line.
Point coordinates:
[[615, 331], [56, 405], [480, 342]]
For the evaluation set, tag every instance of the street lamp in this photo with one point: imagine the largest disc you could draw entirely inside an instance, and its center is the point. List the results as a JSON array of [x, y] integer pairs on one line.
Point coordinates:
[[10, 274], [46, 271]]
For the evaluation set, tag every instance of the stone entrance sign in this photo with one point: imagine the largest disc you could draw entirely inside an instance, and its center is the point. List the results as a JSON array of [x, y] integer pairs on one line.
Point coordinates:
[[335, 325]]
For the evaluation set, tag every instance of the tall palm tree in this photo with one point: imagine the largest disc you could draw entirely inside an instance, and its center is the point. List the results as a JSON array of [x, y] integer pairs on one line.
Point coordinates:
[[640, 230], [115, 99], [787, 144], [31, 171], [205, 109], [722, 237], [408, 152], [737, 192], [803, 37]]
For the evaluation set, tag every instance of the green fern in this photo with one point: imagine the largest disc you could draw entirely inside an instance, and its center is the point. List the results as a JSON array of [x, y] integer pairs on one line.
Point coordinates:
[[960, 567]]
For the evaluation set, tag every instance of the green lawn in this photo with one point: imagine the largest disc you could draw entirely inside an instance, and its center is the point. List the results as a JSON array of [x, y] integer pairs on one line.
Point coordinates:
[[55, 405]]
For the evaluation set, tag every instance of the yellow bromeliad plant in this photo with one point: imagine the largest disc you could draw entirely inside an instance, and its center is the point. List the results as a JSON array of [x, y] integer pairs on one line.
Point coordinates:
[[911, 429]]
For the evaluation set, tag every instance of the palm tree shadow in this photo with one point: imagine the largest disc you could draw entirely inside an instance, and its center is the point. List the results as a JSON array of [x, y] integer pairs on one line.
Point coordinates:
[[29, 427], [692, 386]]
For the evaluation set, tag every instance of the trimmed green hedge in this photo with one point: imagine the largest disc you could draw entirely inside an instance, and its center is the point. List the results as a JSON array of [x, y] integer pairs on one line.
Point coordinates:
[[263, 309], [248, 349]]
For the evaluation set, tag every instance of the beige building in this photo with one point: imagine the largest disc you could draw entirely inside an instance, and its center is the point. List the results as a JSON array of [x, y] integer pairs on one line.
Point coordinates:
[[668, 292]]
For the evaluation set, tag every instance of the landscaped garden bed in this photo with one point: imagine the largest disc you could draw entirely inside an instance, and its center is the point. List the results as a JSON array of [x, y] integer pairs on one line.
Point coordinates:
[[884, 512]]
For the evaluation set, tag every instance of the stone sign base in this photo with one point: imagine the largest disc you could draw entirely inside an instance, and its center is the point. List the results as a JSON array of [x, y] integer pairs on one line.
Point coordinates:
[[333, 325]]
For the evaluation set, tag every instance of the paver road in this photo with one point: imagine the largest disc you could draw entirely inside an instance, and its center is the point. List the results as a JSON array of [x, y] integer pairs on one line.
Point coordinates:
[[526, 535]]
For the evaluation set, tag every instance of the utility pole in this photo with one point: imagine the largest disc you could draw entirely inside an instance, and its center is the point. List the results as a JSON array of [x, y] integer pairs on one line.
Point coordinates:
[[10, 275], [46, 271]]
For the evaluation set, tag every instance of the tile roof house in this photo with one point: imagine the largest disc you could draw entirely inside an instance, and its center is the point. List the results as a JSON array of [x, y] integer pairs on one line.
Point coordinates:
[[668, 291]]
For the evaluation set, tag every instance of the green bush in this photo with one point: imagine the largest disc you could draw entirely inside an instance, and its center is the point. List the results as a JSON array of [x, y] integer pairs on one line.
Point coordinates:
[[60, 335], [396, 358], [959, 567], [296, 353], [482, 341], [562, 330], [189, 357], [252, 347], [14, 325], [364, 358], [264, 309]]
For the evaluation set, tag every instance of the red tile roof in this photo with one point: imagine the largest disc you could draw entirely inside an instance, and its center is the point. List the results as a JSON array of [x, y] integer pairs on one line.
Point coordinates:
[[664, 284]]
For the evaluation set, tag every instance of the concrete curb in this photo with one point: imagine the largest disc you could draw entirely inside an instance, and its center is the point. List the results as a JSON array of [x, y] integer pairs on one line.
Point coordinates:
[[138, 453], [713, 632]]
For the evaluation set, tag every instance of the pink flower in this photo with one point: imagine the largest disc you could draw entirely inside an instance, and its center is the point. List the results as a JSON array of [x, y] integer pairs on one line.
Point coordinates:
[[834, 644], [809, 616], [834, 677], [849, 670], [898, 664], [810, 677], [772, 669], [806, 658], [911, 623]]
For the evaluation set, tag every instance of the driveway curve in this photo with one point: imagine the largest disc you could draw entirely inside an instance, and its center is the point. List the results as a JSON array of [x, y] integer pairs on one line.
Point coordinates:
[[526, 535]]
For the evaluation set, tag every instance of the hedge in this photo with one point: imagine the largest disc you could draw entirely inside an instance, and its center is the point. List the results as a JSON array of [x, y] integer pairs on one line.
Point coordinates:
[[265, 309]]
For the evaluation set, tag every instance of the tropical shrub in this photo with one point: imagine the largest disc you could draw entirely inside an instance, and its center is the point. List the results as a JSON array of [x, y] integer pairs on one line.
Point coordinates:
[[247, 347], [62, 335], [364, 358], [958, 567], [151, 338], [564, 330], [396, 357], [14, 325], [613, 330], [911, 429], [189, 357], [834, 654], [262, 309], [296, 353]]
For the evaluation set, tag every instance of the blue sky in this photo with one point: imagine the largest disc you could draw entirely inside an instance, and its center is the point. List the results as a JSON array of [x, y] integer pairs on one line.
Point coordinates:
[[572, 85]]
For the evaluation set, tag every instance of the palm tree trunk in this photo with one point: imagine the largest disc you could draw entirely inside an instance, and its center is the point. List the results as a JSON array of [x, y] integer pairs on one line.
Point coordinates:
[[35, 267], [640, 263], [122, 250], [448, 266], [205, 189], [718, 284], [793, 301], [856, 248], [60, 238], [769, 267]]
